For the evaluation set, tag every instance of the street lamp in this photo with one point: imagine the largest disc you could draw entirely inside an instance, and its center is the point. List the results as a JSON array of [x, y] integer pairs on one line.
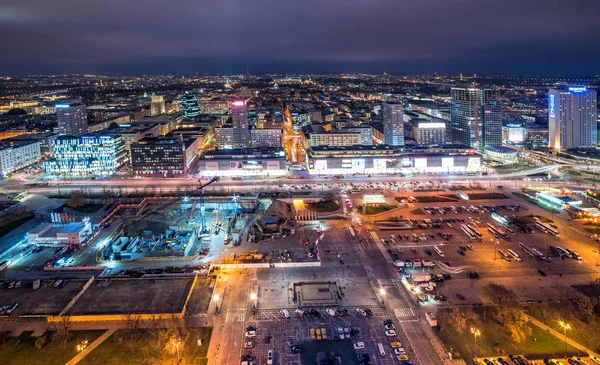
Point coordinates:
[[475, 332], [217, 303], [81, 346], [254, 298], [176, 343], [382, 293], [565, 327]]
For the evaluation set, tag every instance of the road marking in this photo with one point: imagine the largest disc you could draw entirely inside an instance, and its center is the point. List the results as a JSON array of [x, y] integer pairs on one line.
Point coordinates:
[[404, 312]]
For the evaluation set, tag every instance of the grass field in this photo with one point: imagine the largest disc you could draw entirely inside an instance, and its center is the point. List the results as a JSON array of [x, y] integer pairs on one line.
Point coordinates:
[[342, 348], [145, 347], [378, 208], [10, 221], [495, 339], [22, 350], [324, 206]]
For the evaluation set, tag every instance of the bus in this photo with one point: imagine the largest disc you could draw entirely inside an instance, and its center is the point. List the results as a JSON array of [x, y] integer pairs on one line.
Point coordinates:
[[438, 251], [504, 255], [574, 255], [495, 231], [462, 195], [561, 252], [467, 231], [546, 228], [536, 254], [352, 233], [514, 255], [4, 264]]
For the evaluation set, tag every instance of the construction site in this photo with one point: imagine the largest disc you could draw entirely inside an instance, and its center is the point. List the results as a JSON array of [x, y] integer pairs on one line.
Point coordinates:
[[221, 229]]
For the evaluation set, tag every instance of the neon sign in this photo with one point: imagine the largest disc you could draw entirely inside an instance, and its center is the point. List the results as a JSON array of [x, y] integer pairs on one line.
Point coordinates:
[[238, 103], [551, 106], [62, 106], [578, 89]]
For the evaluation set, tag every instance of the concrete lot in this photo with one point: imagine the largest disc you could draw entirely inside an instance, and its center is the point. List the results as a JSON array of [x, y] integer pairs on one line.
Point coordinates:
[[200, 298], [44, 301], [111, 296]]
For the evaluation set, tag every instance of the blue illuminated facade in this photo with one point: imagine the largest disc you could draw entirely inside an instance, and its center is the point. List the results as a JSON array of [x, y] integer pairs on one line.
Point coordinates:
[[86, 156]]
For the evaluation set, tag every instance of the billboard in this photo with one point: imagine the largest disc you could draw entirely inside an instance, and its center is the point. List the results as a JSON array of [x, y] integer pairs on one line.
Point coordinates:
[[421, 163], [234, 165], [516, 134], [321, 165], [380, 164], [358, 164], [212, 166], [474, 162], [447, 162], [273, 165]]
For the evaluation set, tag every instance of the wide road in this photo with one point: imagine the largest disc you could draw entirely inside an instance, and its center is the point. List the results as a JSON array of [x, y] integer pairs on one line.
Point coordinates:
[[181, 185]]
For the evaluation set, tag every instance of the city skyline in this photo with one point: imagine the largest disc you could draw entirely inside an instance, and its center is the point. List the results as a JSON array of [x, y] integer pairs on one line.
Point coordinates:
[[233, 36]]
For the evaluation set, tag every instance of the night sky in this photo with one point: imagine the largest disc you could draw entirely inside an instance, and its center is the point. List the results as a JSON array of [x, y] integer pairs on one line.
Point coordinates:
[[296, 36]]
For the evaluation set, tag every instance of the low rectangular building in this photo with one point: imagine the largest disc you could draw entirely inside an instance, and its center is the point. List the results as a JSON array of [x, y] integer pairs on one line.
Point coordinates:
[[385, 159], [266, 137], [427, 133], [60, 234], [244, 162]]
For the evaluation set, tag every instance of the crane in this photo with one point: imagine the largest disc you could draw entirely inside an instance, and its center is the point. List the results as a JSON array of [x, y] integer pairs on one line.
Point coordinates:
[[203, 228]]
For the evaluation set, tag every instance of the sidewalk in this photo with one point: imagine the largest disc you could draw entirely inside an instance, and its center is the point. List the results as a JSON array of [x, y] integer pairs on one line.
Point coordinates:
[[91, 347], [562, 336]]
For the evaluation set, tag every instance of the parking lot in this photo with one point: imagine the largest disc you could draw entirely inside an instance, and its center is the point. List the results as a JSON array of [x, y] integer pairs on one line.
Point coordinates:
[[462, 254], [275, 333]]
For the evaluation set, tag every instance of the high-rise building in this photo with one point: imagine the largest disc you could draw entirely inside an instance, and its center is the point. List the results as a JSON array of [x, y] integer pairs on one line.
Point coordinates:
[[15, 155], [476, 117], [393, 124], [190, 106], [572, 115], [168, 156], [239, 122], [157, 105], [72, 118]]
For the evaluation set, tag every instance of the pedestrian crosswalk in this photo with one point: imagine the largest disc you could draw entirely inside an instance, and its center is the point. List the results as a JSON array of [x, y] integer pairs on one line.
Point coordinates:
[[386, 282], [235, 316], [404, 312]]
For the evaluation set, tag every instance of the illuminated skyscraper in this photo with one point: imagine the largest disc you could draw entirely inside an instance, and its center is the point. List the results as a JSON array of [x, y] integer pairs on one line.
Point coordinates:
[[239, 121], [476, 117], [572, 115], [190, 106], [393, 124], [157, 105], [72, 118]]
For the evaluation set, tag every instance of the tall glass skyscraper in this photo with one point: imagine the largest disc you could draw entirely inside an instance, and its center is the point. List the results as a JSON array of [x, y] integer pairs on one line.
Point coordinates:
[[239, 121], [393, 124], [572, 118], [476, 117], [190, 106]]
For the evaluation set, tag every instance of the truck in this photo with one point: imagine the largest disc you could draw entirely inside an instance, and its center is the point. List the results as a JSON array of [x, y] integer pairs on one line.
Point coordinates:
[[431, 319]]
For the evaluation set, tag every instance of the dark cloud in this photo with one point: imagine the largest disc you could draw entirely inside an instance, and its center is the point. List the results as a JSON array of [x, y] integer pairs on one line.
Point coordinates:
[[157, 36]]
